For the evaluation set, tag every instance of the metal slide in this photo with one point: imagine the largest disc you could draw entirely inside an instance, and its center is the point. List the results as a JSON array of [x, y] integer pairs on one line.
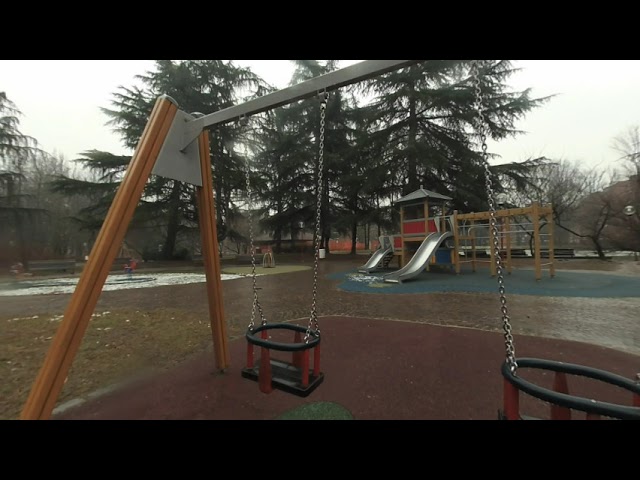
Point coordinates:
[[376, 260], [420, 259]]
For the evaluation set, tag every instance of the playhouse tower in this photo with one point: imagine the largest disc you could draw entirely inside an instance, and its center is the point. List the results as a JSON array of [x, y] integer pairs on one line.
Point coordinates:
[[421, 213]]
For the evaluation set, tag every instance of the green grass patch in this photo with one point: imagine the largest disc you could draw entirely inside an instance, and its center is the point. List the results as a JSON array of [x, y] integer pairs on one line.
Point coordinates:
[[317, 411], [116, 347]]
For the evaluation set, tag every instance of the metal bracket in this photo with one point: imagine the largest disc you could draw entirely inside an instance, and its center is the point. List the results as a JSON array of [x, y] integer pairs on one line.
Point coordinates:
[[175, 163]]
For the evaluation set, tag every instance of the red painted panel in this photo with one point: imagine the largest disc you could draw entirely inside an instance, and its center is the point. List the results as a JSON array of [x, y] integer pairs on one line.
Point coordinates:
[[413, 227], [511, 401], [397, 242], [316, 361], [560, 385], [432, 226]]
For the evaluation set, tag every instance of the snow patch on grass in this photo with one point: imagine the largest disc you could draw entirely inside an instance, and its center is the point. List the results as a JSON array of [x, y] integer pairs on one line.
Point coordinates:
[[59, 286]]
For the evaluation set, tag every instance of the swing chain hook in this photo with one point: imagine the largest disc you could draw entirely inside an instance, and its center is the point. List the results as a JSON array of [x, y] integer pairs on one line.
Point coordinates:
[[482, 127], [313, 317]]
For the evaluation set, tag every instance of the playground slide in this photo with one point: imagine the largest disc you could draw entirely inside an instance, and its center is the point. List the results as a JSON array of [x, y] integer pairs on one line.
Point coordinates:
[[375, 260], [420, 259]]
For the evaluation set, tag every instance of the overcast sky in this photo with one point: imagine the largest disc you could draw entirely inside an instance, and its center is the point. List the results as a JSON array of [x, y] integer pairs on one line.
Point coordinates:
[[596, 100]]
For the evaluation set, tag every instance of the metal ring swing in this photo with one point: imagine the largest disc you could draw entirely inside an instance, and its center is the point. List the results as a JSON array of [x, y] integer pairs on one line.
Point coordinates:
[[296, 377], [559, 398]]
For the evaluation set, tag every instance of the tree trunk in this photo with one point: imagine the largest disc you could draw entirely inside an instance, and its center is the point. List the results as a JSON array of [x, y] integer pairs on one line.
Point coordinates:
[[294, 232], [531, 242], [367, 236], [278, 238], [22, 242], [354, 236], [412, 172], [173, 224], [599, 249], [277, 234]]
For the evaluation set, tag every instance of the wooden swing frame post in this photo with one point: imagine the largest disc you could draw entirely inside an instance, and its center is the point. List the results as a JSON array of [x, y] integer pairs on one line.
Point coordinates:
[[53, 373], [211, 256]]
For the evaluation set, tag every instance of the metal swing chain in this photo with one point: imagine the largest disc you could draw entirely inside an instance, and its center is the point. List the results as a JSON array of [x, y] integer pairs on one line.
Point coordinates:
[[256, 301], [313, 317], [506, 322]]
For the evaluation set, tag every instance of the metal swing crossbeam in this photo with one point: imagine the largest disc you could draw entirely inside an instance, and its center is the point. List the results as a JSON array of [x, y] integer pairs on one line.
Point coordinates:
[[178, 158]]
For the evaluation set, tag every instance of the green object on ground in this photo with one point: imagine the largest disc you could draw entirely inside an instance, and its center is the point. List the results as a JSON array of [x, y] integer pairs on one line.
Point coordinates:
[[317, 411]]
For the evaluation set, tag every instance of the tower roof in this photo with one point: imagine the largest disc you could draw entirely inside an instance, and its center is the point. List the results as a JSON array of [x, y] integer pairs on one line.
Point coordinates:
[[422, 193]]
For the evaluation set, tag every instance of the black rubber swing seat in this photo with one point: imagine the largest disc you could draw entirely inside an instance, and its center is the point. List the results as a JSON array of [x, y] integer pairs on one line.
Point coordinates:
[[571, 402], [289, 377]]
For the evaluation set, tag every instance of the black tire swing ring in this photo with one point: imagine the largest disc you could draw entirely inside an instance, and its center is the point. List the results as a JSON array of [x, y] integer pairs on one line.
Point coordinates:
[[570, 401], [314, 338]]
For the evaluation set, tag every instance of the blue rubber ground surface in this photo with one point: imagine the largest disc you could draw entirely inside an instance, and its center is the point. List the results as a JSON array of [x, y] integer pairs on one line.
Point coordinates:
[[522, 282]]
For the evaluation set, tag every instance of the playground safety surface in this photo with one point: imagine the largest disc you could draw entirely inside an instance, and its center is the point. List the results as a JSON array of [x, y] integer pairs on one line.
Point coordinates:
[[375, 369], [384, 356]]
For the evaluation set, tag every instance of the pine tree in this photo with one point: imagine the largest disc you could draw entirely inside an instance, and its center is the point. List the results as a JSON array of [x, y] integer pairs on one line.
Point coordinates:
[[16, 150], [197, 86], [423, 119]]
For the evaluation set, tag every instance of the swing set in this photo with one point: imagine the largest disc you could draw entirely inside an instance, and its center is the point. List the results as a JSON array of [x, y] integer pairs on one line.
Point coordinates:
[[175, 144]]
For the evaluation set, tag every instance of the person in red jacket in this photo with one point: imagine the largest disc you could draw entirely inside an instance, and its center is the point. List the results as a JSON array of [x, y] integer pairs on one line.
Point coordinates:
[[130, 267]]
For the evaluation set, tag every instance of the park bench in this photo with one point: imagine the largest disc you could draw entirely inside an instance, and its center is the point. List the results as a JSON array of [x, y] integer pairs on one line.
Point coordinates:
[[558, 253], [243, 259], [515, 253], [63, 265]]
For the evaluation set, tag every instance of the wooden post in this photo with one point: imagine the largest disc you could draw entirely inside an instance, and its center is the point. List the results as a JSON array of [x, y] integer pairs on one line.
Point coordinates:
[[65, 344], [211, 256], [536, 239], [473, 244], [456, 241], [425, 209]]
